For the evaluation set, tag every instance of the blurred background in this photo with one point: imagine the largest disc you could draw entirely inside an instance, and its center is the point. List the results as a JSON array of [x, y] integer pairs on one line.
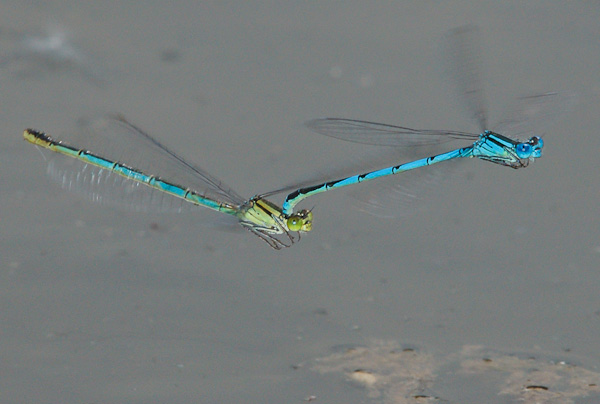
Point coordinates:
[[102, 305]]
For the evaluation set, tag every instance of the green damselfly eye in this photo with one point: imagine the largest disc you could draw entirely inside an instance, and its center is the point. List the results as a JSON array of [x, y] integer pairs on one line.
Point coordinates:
[[295, 223], [301, 221]]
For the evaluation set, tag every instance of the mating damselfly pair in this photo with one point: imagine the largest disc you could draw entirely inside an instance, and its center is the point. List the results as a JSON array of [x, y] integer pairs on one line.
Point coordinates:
[[161, 176]]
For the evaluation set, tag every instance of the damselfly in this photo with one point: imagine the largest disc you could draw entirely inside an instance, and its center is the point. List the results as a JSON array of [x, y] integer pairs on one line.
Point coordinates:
[[494, 146], [175, 178]]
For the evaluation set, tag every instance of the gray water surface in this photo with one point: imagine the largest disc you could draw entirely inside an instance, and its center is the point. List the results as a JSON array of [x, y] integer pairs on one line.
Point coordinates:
[[100, 305]]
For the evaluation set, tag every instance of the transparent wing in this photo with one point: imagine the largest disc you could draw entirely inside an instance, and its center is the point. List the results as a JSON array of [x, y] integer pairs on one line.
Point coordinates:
[[106, 188], [463, 52], [464, 63], [403, 196], [532, 114], [381, 134], [117, 140]]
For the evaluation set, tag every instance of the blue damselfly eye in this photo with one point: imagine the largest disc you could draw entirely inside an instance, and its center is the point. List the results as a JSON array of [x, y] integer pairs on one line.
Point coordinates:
[[537, 144], [524, 150]]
